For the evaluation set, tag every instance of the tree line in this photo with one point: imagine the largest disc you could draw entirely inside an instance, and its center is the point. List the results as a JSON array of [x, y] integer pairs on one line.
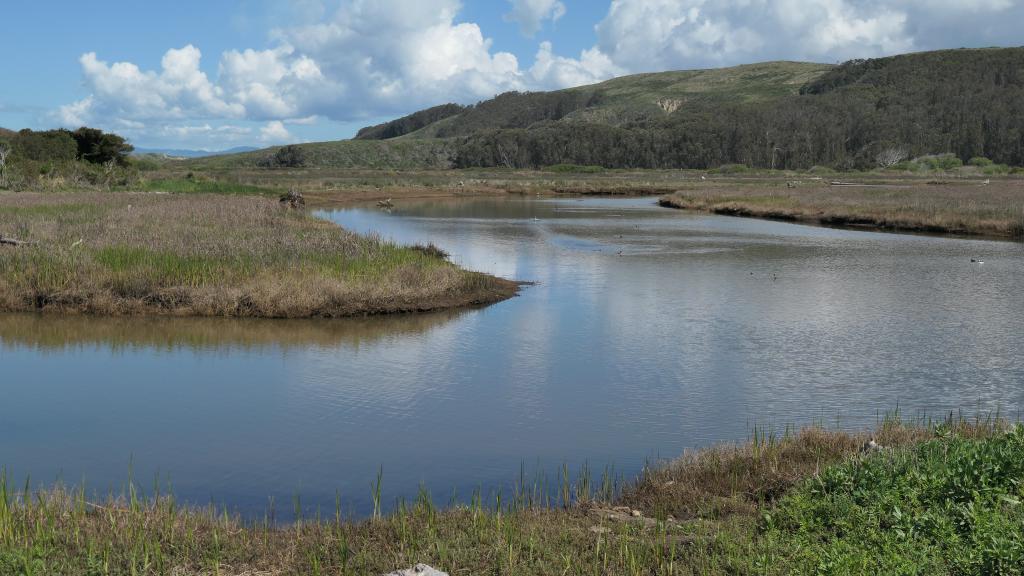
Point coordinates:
[[27, 154]]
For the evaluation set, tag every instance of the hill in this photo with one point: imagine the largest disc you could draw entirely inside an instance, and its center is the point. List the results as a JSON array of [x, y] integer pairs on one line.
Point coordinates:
[[625, 101], [792, 115]]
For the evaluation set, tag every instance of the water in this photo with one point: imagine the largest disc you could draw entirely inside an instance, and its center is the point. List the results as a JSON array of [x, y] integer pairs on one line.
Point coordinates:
[[649, 331]]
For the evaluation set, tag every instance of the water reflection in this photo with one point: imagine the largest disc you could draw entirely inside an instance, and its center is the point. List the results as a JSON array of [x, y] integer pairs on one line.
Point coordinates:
[[649, 331], [53, 332]]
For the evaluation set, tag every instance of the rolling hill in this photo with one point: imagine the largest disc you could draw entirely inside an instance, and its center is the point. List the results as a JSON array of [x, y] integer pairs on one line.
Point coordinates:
[[967, 102]]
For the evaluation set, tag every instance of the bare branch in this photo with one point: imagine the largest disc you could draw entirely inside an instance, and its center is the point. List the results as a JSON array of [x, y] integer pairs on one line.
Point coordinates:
[[891, 156]]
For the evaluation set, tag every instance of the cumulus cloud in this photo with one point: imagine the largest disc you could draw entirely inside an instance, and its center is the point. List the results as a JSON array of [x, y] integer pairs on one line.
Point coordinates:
[[275, 133], [389, 56], [554, 71], [646, 35], [531, 14], [77, 113]]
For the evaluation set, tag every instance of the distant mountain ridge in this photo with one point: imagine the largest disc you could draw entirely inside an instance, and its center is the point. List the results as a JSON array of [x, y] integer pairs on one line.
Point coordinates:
[[185, 153], [791, 115]]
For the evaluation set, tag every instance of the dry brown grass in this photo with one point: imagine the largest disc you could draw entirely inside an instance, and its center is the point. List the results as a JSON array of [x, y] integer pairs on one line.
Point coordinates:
[[210, 255], [968, 208]]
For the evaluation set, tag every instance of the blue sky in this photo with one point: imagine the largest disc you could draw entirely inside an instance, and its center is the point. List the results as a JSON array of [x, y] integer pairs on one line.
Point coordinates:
[[256, 72]]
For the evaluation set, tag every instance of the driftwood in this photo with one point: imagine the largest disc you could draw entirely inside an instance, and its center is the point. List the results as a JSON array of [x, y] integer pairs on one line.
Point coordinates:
[[13, 241], [293, 200]]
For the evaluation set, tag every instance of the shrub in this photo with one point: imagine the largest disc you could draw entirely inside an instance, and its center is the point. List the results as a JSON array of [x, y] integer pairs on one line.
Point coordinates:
[[996, 169], [940, 162], [980, 161], [145, 163], [290, 156]]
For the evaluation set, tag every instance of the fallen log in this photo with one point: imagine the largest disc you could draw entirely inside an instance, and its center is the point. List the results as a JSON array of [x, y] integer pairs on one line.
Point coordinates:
[[13, 241]]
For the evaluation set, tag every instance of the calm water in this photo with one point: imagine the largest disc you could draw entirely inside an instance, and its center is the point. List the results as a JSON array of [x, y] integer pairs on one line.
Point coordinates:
[[649, 331]]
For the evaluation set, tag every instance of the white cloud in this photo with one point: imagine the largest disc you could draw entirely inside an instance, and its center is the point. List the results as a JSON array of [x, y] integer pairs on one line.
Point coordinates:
[[75, 114], [275, 133], [649, 35], [179, 90], [531, 14], [559, 72], [391, 56]]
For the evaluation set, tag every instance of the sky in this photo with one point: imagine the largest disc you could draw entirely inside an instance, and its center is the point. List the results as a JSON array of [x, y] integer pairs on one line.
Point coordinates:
[[212, 75]]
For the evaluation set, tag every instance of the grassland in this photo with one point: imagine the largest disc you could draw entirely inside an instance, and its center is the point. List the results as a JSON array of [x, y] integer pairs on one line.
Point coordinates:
[[212, 255], [969, 207], [942, 499]]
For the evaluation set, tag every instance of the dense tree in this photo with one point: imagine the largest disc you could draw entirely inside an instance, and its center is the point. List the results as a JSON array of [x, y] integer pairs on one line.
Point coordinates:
[[48, 146], [99, 147]]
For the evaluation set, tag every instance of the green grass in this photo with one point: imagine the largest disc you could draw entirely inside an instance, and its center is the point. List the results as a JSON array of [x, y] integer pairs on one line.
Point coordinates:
[[936, 500], [574, 169], [949, 505]]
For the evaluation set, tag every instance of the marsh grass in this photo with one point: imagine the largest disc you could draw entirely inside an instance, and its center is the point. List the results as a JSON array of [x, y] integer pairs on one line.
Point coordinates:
[[213, 255], [966, 209], [192, 185], [810, 501]]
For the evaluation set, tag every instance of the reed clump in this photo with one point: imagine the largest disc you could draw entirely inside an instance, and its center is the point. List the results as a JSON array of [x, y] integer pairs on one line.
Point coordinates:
[[945, 495], [213, 255]]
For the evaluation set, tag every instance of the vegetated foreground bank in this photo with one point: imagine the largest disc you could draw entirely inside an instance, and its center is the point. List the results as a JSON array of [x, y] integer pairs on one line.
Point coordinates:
[[930, 500], [971, 208], [213, 255]]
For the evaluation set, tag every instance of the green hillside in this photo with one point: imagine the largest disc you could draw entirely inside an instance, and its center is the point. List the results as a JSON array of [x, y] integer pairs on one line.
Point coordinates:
[[621, 101], [861, 114]]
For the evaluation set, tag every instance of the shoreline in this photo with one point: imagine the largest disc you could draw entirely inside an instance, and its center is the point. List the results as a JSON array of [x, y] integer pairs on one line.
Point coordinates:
[[717, 510], [840, 222], [950, 211]]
